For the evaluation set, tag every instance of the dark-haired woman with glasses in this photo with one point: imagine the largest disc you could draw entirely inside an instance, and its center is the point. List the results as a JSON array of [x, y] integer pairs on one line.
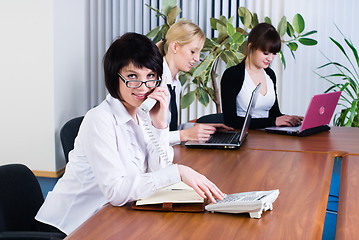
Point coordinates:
[[115, 159], [239, 81]]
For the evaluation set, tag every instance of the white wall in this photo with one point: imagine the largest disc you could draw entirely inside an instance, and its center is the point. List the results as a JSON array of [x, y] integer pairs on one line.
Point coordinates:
[[40, 39], [70, 89], [26, 93]]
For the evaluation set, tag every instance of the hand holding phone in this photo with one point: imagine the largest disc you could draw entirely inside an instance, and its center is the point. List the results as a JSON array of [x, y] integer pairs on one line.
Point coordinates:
[[145, 107], [158, 112], [148, 104]]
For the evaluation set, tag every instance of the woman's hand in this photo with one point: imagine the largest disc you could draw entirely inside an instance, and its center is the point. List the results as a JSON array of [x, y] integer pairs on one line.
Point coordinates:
[[200, 183], [287, 120], [159, 112], [201, 131]]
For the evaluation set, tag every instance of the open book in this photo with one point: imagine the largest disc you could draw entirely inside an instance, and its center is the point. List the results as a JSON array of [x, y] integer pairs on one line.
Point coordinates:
[[177, 197]]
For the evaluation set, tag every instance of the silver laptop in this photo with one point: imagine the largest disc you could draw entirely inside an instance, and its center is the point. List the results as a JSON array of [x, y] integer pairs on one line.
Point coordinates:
[[229, 139]]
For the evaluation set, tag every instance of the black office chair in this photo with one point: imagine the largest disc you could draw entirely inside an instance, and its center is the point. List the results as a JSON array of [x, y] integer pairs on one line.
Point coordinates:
[[68, 134], [20, 200], [211, 118]]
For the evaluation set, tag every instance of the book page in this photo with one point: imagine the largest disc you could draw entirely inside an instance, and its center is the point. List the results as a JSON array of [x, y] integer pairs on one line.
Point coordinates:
[[176, 193]]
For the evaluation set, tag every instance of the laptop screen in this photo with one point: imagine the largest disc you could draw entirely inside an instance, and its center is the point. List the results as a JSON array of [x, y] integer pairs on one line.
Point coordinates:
[[248, 117]]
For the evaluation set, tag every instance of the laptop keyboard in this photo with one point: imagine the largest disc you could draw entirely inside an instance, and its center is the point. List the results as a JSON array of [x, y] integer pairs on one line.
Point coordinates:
[[224, 137]]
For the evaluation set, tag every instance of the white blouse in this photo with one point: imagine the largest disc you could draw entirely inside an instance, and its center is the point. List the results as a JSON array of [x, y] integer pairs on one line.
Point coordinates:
[[113, 161], [263, 103], [174, 135]]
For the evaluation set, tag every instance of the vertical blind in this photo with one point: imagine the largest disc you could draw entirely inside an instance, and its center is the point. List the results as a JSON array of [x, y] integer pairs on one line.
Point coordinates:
[[108, 19]]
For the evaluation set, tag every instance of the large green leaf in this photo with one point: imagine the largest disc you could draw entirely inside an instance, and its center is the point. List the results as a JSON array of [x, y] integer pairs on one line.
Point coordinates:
[[229, 56], [307, 41], [353, 110], [245, 16], [222, 30], [182, 77], [204, 65], [239, 56], [214, 22], [355, 53], [268, 20], [174, 12], [282, 59], [161, 34], [255, 20], [187, 99], [167, 5], [202, 96], [308, 33], [290, 30], [210, 92], [298, 23], [238, 39], [230, 29], [282, 26], [153, 32], [292, 46], [230, 20]]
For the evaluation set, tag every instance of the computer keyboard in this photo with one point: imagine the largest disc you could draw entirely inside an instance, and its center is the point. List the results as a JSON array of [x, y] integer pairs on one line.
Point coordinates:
[[224, 137], [253, 203]]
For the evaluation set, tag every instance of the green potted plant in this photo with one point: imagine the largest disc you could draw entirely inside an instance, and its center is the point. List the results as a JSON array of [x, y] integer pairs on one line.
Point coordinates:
[[345, 78], [229, 46]]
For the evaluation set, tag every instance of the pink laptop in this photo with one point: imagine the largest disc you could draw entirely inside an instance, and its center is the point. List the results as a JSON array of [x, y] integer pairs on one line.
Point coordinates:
[[317, 117]]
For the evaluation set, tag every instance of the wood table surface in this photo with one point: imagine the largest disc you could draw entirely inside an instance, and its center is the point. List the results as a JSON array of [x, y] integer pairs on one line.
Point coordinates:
[[338, 139], [303, 179], [348, 205]]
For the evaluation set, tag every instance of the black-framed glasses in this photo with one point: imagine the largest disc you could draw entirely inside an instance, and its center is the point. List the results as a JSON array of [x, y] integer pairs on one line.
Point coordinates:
[[137, 83]]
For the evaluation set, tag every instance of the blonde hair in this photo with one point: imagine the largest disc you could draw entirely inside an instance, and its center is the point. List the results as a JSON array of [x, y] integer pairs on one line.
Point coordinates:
[[183, 32]]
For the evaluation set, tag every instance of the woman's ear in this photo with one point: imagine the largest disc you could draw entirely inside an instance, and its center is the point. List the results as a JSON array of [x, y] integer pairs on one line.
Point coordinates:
[[174, 46], [249, 48]]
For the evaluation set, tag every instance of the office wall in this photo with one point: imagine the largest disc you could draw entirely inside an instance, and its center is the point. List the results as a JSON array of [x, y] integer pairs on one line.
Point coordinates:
[[299, 82], [26, 92], [44, 64], [70, 83], [41, 76]]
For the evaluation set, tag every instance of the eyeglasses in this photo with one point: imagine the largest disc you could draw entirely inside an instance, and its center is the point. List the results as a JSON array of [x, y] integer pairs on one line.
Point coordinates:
[[137, 83]]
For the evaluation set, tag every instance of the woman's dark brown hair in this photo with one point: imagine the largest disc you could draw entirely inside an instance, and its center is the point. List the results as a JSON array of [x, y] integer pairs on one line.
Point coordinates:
[[130, 48], [264, 37]]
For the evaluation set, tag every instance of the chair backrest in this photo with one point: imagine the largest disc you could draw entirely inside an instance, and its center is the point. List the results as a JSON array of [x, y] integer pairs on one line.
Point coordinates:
[[20, 198], [211, 118], [68, 134]]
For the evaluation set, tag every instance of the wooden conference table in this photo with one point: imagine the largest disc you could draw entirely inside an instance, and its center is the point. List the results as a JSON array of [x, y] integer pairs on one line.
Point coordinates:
[[348, 207], [301, 168], [342, 140]]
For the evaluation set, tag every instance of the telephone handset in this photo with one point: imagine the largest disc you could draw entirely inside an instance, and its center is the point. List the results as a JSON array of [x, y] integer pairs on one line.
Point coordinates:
[[145, 107], [148, 104]]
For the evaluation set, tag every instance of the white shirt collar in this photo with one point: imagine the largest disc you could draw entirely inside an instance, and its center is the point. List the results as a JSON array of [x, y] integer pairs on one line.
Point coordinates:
[[118, 109], [167, 73]]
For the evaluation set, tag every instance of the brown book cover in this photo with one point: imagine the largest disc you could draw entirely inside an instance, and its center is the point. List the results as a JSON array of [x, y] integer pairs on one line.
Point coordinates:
[[178, 197], [171, 207]]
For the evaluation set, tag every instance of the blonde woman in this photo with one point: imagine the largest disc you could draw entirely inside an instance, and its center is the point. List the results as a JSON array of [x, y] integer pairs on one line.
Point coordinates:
[[181, 50]]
